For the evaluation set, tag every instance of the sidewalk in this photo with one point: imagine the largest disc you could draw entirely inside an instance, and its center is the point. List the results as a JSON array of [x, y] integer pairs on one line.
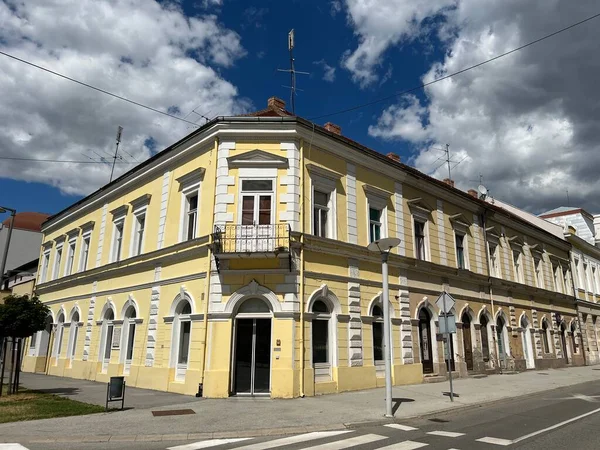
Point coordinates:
[[242, 417]]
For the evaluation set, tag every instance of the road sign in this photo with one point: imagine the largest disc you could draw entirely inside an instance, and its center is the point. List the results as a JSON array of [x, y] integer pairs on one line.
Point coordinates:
[[445, 302], [451, 323]]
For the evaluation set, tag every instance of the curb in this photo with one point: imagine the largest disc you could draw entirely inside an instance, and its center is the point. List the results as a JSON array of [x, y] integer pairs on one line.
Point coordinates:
[[460, 407]]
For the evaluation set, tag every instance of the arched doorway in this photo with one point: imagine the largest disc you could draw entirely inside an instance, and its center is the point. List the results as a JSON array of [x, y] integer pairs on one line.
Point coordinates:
[[574, 337], [485, 338], [563, 341], [467, 340], [425, 340], [252, 349], [526, 342], [502, 347]]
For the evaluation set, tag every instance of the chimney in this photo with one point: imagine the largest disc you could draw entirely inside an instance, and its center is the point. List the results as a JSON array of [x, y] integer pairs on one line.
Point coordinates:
[[332, 127], [275, 103], [394, 156], [450, 182], [472, 193]]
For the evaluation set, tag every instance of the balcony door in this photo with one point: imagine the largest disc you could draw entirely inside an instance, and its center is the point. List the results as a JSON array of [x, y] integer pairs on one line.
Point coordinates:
[[257, 230]]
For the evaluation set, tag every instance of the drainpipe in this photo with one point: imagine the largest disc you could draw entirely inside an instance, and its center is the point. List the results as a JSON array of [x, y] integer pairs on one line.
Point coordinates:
[[302, 218], [487, 258]]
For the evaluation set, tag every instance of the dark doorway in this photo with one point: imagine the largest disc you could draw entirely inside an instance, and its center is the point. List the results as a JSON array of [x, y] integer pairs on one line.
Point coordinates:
[[563, 342], [485, 340], [252, 357], [425, 341], [466, 329], [449, 352]]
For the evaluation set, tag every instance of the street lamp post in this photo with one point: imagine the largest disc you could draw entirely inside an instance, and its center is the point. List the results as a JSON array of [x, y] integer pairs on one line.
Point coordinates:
[[383, 246], [4, 209]]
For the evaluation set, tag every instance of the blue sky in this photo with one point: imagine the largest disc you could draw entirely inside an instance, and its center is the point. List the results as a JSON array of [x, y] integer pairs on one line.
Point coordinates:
[[495, 119]]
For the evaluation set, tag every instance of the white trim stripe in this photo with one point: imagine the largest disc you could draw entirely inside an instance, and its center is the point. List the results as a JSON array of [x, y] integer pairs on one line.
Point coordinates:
[[206, 444], [351, 442], [398, 426], [293, 440], [495, 441], [404, 445], [450, 434]]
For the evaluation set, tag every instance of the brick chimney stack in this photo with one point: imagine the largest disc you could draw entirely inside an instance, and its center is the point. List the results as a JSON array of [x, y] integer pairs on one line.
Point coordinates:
[[393, 156], [472, 193], [449, 182], [332, 127], [275, 103]]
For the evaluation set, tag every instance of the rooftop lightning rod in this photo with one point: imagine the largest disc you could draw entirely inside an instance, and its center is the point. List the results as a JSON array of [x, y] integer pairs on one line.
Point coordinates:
[[292, 70], [119, 132]]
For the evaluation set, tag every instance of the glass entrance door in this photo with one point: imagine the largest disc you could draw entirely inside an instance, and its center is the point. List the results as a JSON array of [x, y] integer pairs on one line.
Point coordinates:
[[252, 368], [425, 341], [256, 231]]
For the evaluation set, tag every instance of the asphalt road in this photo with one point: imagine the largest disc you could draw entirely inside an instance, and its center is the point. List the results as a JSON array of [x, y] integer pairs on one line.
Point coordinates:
[[557, 419]]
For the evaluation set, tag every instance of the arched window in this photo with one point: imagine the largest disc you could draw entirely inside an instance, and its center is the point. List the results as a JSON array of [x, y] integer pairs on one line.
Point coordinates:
[[73, 335], [107, 338], [574, 337], [485, 340], [321, 350], [129, 327], [545, 339], [60, 331], [563, 341], [377, 314], [182, 327], [500, 338]]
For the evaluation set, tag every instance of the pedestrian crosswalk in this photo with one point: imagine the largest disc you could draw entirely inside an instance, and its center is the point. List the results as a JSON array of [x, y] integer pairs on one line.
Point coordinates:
[[337, 440]]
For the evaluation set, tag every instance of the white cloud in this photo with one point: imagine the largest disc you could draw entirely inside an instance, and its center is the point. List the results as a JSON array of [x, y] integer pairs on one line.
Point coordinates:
[[380, 24], [328, 71], [528, 122], [139, 49], [336, 7]]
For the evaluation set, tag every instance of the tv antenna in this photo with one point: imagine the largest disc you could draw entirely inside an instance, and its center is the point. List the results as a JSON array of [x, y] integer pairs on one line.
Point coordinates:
[[292, 71], [119, 132]]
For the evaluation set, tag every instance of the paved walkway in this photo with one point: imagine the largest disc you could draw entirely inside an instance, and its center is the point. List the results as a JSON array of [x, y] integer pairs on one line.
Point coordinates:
[[95, 393], [241, 417]]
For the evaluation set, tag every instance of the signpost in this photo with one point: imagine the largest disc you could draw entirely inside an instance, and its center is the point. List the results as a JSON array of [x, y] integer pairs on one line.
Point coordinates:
[[446, 302], [115, 391]]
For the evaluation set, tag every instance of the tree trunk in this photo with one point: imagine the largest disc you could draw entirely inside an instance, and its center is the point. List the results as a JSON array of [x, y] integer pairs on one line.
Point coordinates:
[[19, 344], [3, 354], [12, 365]]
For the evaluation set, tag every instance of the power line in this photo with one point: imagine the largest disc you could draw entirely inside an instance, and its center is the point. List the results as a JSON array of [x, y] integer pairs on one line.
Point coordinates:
[[421, 86], [10, 158], [95, 88]]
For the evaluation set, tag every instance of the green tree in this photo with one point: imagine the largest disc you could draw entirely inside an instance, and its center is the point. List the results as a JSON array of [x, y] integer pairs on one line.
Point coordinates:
[[22, 316]]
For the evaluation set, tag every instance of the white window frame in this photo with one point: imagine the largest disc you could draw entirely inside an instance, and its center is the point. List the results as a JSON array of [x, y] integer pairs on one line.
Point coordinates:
[[178, 320], [462, 230], [567, 280], [116, 254], [57, 260], [325, 181], [377, 199], [586, 274], [70, 259], [60, 336], [323, 370], [190, 185], [136, 247], [129, 321], [104, 341], [580, 278], [517, 263], [494, 257], [595, 280], [45, 267], [548, 336], [272, 193], [538, 271], [73, 336], [423, 219], [84, 251]]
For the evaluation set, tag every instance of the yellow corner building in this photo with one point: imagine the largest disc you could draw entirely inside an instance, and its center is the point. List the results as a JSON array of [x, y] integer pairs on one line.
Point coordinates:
[[235, 262]]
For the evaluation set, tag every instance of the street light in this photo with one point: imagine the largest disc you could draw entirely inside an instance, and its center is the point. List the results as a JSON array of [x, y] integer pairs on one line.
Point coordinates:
[[383, 246], [4, 209]]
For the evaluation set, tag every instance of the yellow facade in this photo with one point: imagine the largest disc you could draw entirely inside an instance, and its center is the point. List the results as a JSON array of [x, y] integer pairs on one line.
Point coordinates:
[[236, 261]]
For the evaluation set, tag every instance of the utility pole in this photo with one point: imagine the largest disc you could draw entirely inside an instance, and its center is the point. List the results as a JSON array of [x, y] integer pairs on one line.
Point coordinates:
[[447, 151], [119, 132], [292, 70]]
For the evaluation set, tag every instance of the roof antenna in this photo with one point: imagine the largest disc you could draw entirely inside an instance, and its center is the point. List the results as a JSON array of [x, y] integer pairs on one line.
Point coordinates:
[[568, 201], [119, 132], [292, 71]]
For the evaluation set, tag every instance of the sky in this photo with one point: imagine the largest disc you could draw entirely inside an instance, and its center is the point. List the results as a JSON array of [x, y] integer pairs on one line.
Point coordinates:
[[526, 123]]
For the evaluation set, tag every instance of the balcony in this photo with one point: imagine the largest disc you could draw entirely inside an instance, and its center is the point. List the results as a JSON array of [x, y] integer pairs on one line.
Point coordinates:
[[269, 240]]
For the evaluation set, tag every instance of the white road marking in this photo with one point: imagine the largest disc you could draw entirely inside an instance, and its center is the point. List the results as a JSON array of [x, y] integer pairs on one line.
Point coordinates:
[[12, 447], [587, 398], [293, 440], [202, 444], [347, 443], [560, 424], [495, 441], [451, 434], [405, 445], [398, 426]]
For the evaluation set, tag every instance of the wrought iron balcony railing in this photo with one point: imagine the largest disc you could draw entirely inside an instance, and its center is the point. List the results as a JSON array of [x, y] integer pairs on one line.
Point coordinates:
[[269, 238]]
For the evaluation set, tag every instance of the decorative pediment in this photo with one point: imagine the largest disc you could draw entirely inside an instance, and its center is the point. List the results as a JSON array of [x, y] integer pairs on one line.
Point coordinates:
[[193, 177], [257, 158], [459, 221], [87, 226], [322, 172], [141, 201], [492, 234], [120, 211], [419, 207], [515, 241]]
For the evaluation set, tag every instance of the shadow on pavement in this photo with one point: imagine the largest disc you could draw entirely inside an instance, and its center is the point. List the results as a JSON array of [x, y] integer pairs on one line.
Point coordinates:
[[398, 401], [60, 391]]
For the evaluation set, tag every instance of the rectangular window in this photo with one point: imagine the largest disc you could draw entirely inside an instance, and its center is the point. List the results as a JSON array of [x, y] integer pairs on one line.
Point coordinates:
[[420, 240], [320, 341], [518, 270], [57, 260], [70, 258], [320, 214], [494, 268], [108, 343], [460, 250], [374, 224], [138, 233], [32, 340], [130, 341], [45, 266], [184, 342], [117, 241], [85, 251], [539, 273], [191, 219]]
